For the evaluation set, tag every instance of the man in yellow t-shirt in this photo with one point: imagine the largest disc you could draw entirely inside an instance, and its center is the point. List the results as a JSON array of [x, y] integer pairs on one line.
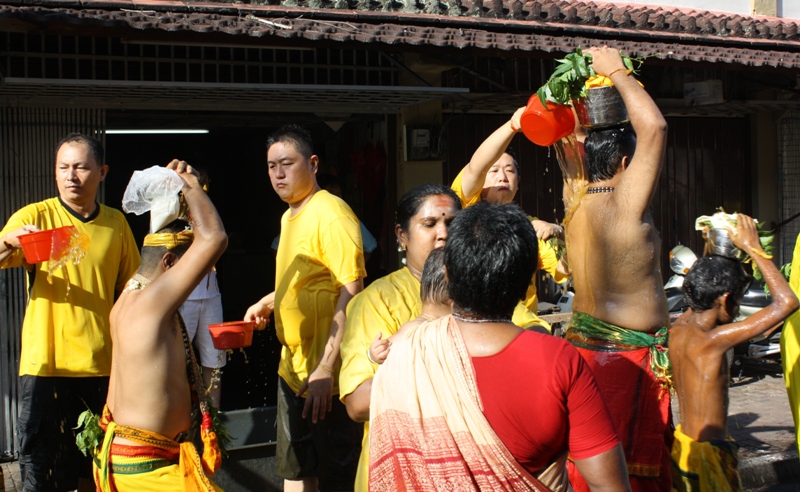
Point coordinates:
[[319, 268], [66, 344], [493, 175]]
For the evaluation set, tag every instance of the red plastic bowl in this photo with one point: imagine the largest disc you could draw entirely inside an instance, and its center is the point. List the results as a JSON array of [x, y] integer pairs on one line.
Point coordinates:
[[546, 126], [232, 334], [37, 245]]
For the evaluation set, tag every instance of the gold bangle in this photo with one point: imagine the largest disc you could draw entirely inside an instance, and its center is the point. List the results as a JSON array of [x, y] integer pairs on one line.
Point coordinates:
[[326, 368], [617, 70], [9, 247], [761, 254]]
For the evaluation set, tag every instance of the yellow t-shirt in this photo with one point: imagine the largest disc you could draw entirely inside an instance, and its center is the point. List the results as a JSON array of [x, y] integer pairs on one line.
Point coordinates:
[[525, 313], [319, 253], [382, 307], [67, 334]]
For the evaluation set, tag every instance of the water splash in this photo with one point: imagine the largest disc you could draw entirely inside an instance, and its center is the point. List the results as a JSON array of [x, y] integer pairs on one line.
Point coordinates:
[[573, 170], [69, 246]]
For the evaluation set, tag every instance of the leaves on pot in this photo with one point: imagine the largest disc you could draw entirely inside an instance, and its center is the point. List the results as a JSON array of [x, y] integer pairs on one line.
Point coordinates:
[[567, 83]]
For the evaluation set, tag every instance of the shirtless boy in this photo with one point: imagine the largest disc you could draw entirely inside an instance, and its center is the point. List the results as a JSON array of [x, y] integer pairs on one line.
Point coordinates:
[[435, 303], [620, 318], [148, 410], [704, 457]]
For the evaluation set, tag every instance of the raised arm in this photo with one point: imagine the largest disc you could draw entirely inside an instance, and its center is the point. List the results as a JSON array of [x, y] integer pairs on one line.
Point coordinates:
[[784, 302], [172, 288], [638, 181], [474, 174]]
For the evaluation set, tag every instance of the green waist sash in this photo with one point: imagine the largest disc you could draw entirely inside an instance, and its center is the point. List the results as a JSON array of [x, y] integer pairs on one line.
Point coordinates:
[[587, 327]]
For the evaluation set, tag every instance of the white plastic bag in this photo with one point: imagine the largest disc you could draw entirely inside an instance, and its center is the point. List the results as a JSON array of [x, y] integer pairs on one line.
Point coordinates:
[[155, 190]]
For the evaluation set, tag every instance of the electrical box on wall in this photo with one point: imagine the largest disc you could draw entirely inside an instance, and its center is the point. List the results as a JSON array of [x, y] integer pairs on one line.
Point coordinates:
[[701, 93], [422, 143]]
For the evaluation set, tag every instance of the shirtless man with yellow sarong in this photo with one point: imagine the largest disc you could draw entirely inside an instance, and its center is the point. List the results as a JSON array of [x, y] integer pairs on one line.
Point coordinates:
[[620, 315], [149, 406], [704, 457]]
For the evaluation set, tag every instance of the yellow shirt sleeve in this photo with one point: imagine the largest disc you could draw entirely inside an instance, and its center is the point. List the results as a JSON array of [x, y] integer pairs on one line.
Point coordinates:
[[548, 261], [382, 307], [456, 186], [130, 260], [342, 251]]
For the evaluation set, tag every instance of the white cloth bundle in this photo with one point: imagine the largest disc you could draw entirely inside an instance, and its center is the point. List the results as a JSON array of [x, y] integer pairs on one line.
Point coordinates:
[[155, 190]]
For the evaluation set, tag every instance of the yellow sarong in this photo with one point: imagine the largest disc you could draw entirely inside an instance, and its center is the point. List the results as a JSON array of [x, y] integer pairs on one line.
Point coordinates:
[[160, 464], [704, 466]]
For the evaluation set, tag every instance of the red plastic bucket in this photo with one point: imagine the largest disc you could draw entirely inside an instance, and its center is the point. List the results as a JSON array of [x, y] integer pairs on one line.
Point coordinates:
[[546, 126], [37, 245], [232, 334]]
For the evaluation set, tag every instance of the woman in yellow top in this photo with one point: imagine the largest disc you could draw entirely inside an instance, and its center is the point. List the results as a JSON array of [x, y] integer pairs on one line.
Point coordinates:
[[423, 216]]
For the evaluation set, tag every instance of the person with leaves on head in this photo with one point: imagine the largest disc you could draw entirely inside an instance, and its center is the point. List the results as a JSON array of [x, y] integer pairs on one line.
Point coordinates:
[[704, 456], [493, 175], [65, 355], [620, 318], [155, 376]]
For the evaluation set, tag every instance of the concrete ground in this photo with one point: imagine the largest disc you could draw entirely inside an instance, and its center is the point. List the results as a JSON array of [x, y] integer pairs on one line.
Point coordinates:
[[759, 419]]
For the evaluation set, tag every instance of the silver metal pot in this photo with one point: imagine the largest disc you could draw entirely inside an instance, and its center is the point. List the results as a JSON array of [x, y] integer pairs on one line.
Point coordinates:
[[602, 107], [720, 242]]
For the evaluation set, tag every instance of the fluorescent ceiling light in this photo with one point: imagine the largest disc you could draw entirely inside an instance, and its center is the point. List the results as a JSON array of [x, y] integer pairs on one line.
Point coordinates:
[[154, 131]]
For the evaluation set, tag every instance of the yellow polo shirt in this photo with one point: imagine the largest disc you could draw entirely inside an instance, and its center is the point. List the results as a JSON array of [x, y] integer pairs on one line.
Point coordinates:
[[319, 253], [383, 307], [67, 334]]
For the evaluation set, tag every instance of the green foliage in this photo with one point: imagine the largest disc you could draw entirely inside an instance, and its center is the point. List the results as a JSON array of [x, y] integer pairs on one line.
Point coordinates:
[[568, 81], [224, 438], [91, 436]]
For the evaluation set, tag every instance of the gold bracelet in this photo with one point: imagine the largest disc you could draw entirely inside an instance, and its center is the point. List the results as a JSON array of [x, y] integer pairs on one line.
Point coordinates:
[[326, 368], [9, 247], [617, 70], [761, 254]]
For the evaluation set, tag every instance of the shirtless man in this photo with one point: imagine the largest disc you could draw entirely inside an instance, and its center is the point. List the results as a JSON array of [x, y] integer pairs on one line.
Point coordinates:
[[698, 342], [620, 315], [149, 403]]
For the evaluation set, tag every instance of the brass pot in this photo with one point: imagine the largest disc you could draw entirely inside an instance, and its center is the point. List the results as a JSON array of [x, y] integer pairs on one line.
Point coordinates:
[[602, 107]]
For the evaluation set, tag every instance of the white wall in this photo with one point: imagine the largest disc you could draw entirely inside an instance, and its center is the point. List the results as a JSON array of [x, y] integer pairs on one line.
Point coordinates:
[[789, 9]]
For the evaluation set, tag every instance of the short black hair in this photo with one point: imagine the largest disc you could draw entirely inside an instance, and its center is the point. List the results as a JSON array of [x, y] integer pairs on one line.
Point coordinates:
[[298, 136], [412, 200], [95, 147], [513, 155], [605, 148], [491, 255], [713, 276], [151, 255], [433, 285]]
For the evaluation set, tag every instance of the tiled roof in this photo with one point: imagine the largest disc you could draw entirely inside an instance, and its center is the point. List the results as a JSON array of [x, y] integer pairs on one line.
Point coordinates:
[[546, 26]]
